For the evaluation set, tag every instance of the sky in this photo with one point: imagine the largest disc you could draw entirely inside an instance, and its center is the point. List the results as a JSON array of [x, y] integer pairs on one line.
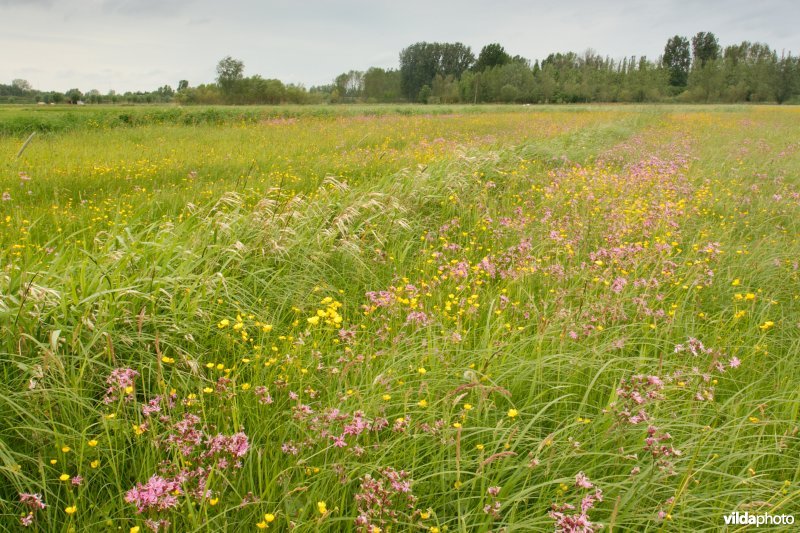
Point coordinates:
[[144, 44]]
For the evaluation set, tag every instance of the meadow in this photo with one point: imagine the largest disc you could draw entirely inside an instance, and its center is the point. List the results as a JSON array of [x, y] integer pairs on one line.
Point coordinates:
[[385, 319]]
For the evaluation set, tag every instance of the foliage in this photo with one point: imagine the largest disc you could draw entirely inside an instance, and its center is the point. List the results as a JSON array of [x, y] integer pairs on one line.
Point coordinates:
[[492, 55], [421, 62], [676, 60]]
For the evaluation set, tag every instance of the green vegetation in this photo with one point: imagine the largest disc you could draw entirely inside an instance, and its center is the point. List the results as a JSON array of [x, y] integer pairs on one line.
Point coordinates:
[[417, 319]]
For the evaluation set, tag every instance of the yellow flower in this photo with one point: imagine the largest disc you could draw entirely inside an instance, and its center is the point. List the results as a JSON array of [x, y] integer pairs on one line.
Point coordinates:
[[322, 507], [386, 397], [512, 413], [766, 325], [421, 370], [314, 320], [433, 529], [736, 282], [468, 407], [269, 517], [223, 323], [479, 447], [72, 509], [92, 443], [456, 425], [425, 515], [262, 525], [213, 501], [135, 529], [64, 477], [423, 403], [208, 390], [65, 449], [95, 463], [245, 386]]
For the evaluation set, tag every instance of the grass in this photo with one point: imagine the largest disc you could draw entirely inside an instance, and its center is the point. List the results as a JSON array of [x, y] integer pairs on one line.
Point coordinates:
[[464, 297]]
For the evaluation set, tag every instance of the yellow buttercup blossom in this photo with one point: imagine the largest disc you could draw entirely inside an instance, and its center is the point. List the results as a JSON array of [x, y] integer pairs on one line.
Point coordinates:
[[322, 507]]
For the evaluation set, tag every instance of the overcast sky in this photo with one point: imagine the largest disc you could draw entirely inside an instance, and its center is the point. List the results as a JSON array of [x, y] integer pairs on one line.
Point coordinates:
[[143, 44]]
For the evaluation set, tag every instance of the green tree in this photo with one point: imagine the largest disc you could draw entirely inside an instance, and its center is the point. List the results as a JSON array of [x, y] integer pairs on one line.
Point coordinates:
[[492, 55], [74, 95], [787, 78], [421, 62], [381, 85], [424, 94], [183, 85], [21, 85], [705, 47], [676, 60], [350, 84], [230, 73]]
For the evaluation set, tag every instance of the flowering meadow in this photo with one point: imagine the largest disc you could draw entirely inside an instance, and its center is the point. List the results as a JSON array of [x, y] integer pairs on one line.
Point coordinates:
[[517, 319]]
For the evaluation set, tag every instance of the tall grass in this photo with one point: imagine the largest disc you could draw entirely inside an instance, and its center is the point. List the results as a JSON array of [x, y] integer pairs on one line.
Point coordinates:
[[488, 287]]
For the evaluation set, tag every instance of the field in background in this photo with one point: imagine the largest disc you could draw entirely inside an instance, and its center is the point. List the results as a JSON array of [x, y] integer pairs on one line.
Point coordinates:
[[399, 318]]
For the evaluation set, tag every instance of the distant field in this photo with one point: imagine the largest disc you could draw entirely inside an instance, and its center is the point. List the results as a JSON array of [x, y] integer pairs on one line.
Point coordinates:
[[399, 318], [17, 120]]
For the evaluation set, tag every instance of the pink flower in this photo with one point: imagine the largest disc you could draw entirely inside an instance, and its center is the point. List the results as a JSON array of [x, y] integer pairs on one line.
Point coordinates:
[[34, 501], [582, 481], [157, 494]]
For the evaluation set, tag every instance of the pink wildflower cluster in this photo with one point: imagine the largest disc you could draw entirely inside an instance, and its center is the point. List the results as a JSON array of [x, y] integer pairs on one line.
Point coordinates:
[[635, 394], [656, 445], [492, 507], [381, 500], [120, 385], [203, 452], [567, 522], [33, 502], [158, 494]]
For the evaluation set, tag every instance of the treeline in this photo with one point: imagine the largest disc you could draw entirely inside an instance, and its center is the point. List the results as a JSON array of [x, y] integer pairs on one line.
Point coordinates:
[[21, 92], [689, 70], [699, 70]]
